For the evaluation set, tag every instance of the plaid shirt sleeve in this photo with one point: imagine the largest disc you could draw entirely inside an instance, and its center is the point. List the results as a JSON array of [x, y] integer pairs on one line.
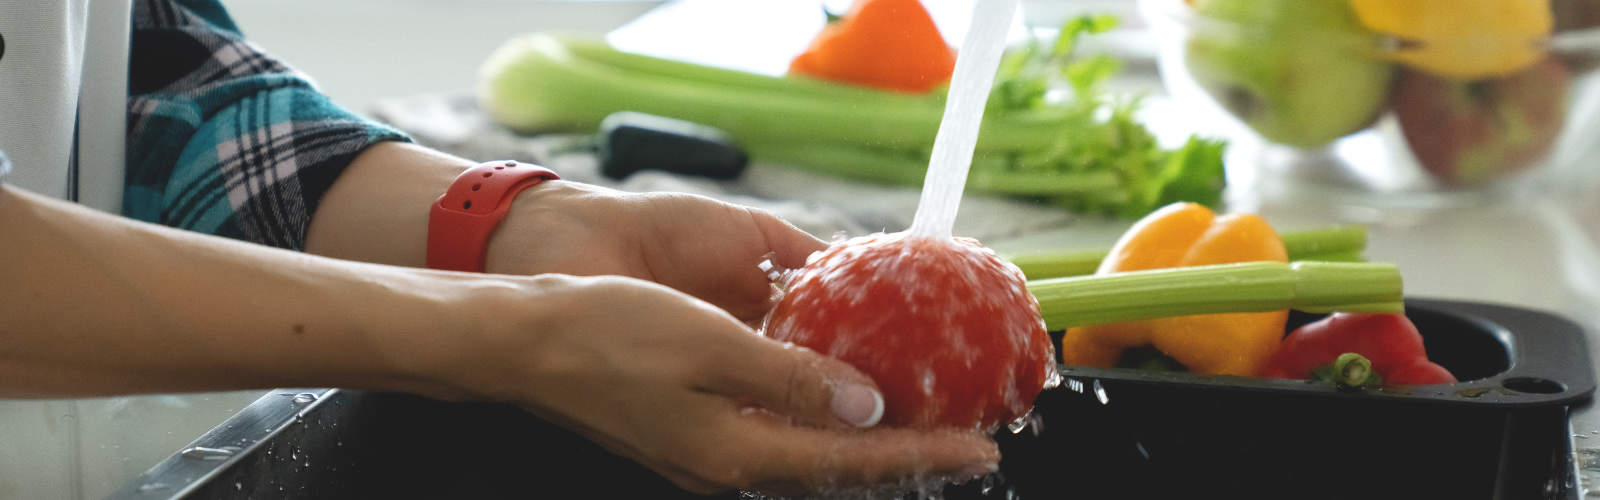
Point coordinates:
[[224, 139]]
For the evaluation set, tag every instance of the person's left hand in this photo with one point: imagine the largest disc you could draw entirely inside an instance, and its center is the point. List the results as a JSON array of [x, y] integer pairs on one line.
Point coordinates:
[[703, 247]]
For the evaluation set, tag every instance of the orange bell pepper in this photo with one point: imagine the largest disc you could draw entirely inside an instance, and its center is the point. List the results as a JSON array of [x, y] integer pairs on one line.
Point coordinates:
[[1187, 234], [890, 44]]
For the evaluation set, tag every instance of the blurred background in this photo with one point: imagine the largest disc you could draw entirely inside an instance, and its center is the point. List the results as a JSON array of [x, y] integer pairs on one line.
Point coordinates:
[[364, 50]]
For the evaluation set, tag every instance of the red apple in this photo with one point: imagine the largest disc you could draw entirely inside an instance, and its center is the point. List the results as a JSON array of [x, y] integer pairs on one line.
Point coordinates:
[[945, 327], [1467, 133]]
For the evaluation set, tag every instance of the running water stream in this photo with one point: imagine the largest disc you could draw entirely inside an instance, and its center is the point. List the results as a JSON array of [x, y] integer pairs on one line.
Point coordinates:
[[963, 115], [1001, 343]]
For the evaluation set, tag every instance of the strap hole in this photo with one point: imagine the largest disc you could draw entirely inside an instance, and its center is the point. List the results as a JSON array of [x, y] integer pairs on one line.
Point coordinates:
[[499, 168], [466, 205], [476, 187], [487, 174], [511, 164]]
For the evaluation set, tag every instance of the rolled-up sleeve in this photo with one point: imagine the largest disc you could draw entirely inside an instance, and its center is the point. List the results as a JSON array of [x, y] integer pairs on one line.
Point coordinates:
[[223, 138]]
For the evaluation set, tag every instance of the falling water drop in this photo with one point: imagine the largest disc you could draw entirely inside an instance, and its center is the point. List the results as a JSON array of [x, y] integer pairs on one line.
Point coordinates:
[[1022, 422], [1052, 380], [1075, 385], [1100, 392]]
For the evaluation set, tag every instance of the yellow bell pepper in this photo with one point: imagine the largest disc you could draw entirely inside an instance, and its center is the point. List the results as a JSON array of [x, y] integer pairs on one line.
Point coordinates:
[[1465, 39], [1187, 234]]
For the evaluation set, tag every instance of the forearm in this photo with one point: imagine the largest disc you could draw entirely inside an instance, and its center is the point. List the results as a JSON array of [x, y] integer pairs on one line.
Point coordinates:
[[377, 211], [94, 304]]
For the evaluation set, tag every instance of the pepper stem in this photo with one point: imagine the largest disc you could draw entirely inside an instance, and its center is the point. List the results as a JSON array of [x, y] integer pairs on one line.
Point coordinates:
[[1352, 370]]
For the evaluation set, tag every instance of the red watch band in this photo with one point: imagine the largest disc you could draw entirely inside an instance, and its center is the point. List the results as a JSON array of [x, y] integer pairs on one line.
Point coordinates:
[[461, 221]]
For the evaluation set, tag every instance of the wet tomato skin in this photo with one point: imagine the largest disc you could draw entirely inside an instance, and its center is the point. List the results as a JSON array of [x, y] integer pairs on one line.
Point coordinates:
[[946, 328]]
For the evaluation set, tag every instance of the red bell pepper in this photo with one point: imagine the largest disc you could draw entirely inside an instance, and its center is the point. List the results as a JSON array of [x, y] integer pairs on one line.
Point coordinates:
[[1357, 350]]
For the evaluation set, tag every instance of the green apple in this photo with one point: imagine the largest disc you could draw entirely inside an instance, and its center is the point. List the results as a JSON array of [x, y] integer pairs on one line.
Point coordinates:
[[1298, 72]]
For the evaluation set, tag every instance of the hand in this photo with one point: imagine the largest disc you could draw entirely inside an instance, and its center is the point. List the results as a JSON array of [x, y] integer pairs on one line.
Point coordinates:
[[706, 248], [673, 383], [378, 212]]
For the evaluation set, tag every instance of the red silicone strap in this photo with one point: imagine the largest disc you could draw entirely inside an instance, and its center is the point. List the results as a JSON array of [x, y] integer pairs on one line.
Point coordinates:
[[461, 221]]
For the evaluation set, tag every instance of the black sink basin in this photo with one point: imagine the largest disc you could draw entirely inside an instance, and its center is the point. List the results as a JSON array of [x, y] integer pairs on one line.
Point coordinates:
[[1107, 433]]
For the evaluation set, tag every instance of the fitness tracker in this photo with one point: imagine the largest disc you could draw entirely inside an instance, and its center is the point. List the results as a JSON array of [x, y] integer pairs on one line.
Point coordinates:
[[461, 221]]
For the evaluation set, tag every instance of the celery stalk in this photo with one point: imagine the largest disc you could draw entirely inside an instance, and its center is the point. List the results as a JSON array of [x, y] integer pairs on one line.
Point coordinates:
[[1333, 240], [1227, 288], [872, 165], [1334, 244], [1347, 256], [1058, 263], [537, 83], [599, 52]]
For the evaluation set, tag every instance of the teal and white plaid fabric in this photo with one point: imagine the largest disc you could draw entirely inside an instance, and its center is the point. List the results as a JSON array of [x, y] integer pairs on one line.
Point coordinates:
[[222, 138]]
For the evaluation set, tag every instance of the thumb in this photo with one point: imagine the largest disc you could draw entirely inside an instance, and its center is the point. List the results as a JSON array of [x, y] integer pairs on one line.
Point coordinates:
[[795, 382]]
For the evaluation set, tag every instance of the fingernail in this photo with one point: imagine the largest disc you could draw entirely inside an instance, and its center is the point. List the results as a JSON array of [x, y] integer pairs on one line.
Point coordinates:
[[857, 404], [978, 470]]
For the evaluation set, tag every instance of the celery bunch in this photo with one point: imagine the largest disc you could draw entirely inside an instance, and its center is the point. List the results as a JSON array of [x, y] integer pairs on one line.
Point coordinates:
[[1050, 131]]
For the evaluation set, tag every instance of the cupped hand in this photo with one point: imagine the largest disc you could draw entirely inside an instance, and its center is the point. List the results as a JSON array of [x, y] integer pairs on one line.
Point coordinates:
[[689, 391], [706, 248]]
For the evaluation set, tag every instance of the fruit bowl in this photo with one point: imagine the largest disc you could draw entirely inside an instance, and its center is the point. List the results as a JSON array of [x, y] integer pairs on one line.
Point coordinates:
[[1391, 96]]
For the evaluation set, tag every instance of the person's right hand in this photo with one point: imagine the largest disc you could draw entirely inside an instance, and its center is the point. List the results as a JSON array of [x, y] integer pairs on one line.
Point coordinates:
[[673, 383]]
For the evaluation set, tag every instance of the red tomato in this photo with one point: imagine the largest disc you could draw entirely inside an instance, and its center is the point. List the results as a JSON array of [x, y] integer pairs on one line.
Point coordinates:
[[947, 329]]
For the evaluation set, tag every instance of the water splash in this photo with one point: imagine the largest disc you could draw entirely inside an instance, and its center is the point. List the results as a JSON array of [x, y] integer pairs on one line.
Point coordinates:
[[1021, 423], [1030, 421], [1052, 378], [921, 487], [988, 483], [1075, 385], [304, 398], [1036, 424], [1100, 393], [1017, 426]]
